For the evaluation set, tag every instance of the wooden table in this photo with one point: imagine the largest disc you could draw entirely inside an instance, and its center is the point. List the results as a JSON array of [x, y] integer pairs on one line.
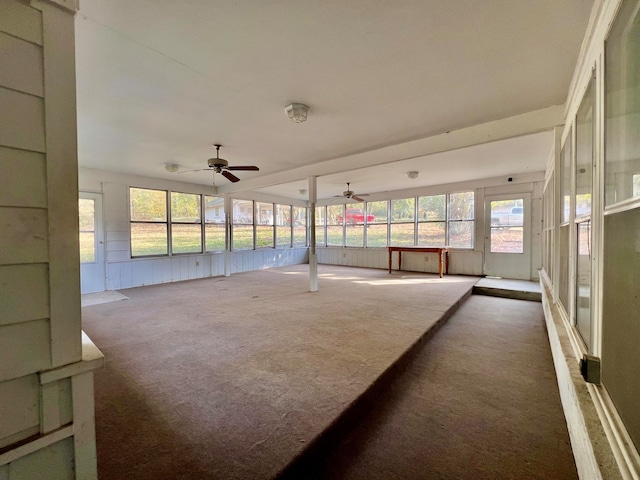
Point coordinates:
[[443, 256]]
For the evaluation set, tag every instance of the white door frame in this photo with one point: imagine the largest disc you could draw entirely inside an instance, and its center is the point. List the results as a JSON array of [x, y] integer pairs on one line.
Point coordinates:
[[508, 265], [92, 275]]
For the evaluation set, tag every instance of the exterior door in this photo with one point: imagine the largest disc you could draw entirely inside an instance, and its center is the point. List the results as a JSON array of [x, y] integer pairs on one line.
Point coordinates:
[[92, 276], [507, 252]]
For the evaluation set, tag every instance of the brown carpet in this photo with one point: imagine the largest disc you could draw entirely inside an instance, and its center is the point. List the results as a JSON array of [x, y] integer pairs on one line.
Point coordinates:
[[480, 401], [231, 378]]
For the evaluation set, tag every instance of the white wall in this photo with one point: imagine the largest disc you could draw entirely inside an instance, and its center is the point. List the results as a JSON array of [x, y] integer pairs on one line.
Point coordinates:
[[122, 271], [462, 261]]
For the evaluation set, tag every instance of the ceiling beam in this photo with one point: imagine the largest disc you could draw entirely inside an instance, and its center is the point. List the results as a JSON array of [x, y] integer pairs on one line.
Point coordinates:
[[527, 123]]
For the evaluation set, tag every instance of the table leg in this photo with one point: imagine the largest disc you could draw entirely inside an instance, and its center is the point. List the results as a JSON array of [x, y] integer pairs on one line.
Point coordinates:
[[399, 260], [389, 261], [447, 259], [440, 257]]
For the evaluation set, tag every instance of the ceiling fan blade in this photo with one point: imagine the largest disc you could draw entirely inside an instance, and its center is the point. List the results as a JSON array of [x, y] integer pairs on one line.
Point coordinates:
[[363, 194], [252, 167], [355, 197], [196, 170], [230, 176]]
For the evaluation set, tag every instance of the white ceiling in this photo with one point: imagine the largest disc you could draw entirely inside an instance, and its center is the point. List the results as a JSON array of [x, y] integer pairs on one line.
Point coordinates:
[[160, 81]]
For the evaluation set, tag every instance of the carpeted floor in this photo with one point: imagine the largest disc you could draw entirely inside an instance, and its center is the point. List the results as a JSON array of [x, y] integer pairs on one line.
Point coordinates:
[[480, 401], [231, 378]]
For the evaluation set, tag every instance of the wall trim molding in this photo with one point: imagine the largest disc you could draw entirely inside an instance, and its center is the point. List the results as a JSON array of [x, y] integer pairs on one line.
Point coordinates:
[[601, 446]]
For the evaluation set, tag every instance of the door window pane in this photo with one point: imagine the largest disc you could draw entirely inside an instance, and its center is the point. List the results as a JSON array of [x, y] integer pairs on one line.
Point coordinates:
[[86, 207], [507, 226]]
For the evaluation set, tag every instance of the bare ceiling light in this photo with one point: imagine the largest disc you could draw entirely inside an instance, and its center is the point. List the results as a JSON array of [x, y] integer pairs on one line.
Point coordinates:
[[413, 174], [171, 167], [297, 112], [302, 191]]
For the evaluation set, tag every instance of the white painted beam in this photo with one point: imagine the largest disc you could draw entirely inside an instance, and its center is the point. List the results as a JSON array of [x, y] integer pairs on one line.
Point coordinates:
[[527, 123]]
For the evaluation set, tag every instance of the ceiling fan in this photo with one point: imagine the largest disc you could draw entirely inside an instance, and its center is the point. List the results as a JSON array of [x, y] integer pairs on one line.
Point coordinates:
[[220, 165], [349, 194]]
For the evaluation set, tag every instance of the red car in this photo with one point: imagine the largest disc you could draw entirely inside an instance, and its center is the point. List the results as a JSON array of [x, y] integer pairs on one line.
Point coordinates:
[[355, 215]]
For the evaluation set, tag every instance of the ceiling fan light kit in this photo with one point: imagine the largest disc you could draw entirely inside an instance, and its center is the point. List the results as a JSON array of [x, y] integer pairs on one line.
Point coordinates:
[[297, 112]]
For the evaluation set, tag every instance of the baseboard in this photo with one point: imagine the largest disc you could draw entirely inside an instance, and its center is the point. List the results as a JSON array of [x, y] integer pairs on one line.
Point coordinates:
[[601, 445]]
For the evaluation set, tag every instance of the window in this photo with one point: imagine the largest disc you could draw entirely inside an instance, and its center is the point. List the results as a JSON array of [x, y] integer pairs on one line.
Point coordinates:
[[264, 224], [565, 179], [214, 224], [335, 216], [321, 213], [299, 227], [242, 231], [148, 222], [461, 220], [283, 225], [622, 111], [432, 220], [403, 214], [507, 226], [87, 230], [354, 215], [584, 152], [377, 226], [186, 230]]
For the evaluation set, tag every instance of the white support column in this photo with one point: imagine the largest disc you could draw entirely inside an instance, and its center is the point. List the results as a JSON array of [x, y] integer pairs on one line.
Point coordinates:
[[227, 233], [313, 258]]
